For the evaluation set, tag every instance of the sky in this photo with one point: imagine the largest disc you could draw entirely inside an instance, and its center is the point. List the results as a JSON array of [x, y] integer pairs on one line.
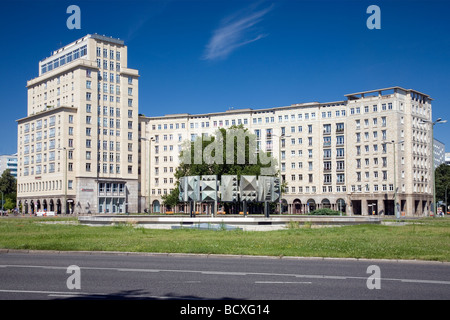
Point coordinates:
[[198, 56]]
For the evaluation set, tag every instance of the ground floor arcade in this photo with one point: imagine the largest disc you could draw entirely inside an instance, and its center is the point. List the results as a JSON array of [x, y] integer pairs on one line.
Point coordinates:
[[351, 204]]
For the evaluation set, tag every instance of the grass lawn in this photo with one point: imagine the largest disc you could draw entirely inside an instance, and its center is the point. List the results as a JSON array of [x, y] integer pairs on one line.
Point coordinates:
[[425, 239]]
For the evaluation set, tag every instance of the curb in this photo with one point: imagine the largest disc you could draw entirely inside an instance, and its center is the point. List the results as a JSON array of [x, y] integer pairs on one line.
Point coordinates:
[[208, 255]]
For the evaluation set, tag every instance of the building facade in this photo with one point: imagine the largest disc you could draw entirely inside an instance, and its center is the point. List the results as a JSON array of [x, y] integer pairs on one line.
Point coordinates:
[[439, 153], [84, 148], [9, 161], [77, 146], [360, 155]]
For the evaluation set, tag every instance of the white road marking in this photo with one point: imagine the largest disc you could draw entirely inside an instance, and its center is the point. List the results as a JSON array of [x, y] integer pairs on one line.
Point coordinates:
[[282, 282], [226, 273]]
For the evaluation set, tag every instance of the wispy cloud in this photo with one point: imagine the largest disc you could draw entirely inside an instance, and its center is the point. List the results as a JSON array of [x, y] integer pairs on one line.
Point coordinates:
[[235, 31]]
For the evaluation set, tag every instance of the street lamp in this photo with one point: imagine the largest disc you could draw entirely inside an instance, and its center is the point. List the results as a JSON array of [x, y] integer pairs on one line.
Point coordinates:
[[438, 120], [66, 149], [446, 204], [397, 213], [149, 168], [281, 136]]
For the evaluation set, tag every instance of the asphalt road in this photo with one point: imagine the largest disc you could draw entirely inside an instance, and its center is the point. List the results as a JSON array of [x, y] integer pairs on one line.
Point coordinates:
[[37, 276]]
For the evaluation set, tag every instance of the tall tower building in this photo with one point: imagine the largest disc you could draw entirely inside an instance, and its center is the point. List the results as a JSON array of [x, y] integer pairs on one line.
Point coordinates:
[[77, 146]]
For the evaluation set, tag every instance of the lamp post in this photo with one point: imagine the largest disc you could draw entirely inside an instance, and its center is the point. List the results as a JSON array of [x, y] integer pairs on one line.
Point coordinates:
[[280, 137], [438, 120], [149, 169], [396, 211], [66, 149], [446, 204]]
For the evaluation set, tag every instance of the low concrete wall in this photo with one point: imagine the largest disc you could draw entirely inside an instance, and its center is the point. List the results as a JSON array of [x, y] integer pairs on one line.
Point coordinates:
[[245, 223]]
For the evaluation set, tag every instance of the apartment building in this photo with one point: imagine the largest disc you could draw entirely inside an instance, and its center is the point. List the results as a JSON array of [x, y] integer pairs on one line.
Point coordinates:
[[77, 145], [84, 148], [359, 155], [9, 162], [439, 153]]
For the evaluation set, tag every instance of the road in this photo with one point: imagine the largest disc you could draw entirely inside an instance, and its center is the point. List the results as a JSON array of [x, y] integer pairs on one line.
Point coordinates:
[[36, 276]]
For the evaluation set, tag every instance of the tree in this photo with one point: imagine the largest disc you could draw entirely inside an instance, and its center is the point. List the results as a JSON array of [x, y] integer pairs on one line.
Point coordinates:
[[232, 151], [442, 175], [171, 199], [8, 185], [8, 182], [228, 152]]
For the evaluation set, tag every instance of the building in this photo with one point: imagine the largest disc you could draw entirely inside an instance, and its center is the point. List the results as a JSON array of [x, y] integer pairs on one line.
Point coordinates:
[[447, 158], [439, 153], [84, 148], [357, 155], [9, 161], [77, 145]]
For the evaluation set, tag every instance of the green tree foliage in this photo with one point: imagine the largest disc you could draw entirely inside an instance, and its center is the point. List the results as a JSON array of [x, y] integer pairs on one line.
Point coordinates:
[[442, 180], [8, 185]]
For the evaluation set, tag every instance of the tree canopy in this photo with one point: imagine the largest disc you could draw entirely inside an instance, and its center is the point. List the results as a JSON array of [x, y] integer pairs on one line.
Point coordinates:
[[8, 186], [442, 181]]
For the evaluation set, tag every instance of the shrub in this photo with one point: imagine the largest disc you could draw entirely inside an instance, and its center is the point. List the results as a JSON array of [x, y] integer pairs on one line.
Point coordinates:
[[324, 212]]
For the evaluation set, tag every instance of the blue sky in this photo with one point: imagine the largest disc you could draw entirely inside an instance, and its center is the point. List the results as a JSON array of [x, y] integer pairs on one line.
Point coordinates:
[[211, 55]]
